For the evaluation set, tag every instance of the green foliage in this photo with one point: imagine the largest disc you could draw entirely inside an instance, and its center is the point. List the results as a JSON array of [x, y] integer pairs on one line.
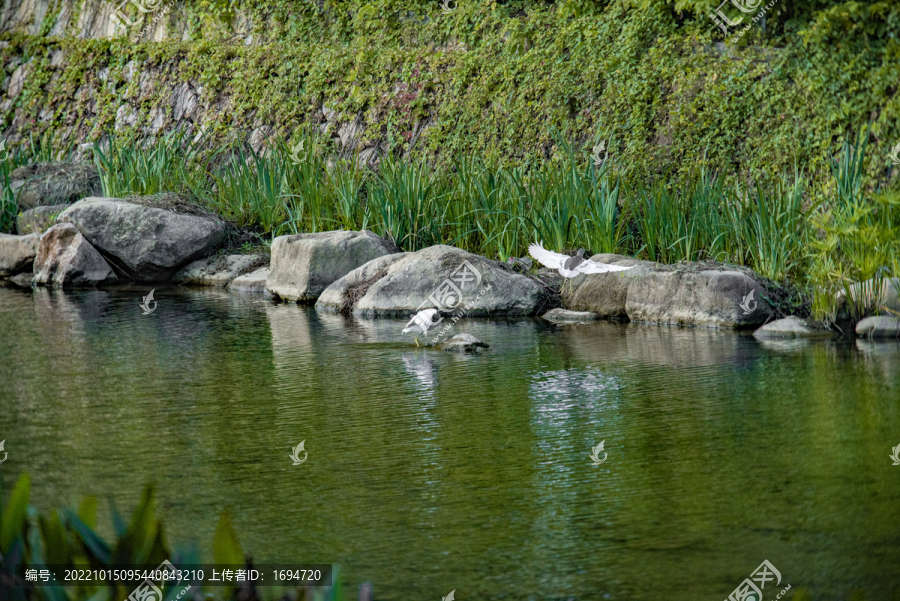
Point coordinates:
[[226, 547], [12, 519], [407, 204], [860, 241], [250, 189], [494, 80], [9, 206], [66, 538], [174, 164], [859, 237]]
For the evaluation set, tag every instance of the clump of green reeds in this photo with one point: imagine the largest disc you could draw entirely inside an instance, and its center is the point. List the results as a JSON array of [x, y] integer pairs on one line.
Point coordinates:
[[568, 203]]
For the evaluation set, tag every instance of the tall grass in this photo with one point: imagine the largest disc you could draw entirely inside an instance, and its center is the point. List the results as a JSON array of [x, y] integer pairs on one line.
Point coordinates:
[[172, 164], [251, 190]]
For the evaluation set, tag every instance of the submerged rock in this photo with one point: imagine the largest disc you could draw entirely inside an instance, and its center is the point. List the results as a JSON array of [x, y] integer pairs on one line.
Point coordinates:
[[23, 280], [793, 327], [444, 277], [39, 219], [566, 316], [462, 343], [879, 326], [43, 184], [66, 259], [144, 243], [255, 281], [17, 253], [304, 265], [217, 271]]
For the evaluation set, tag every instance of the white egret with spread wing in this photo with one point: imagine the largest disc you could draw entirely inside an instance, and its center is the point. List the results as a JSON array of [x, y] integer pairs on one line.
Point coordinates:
[[567, 266]]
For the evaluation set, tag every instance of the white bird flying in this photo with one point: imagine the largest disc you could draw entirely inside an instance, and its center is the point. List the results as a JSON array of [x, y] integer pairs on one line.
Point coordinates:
[[424, 319], [569, 267]]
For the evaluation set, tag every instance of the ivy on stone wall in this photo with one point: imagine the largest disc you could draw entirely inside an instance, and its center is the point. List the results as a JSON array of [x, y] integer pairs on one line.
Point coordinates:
[[651, 79]]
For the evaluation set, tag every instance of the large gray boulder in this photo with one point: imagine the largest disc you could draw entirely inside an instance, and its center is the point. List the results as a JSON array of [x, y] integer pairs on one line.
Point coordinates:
[[17, 253], [39, 219], [66, 259], [652, 292], [793, 327], [442, 277], [341, 296], [42, 184], [879, 326], [605, 293], [710, 298], [144, 243], [218, 271], [304, 265]]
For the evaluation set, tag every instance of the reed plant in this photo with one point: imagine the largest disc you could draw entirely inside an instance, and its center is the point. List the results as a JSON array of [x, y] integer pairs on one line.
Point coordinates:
[[173, 164], [775, 229], [307, 191], [251, 189], [347, 180], [9, 205], [409, 204], [858, 246]]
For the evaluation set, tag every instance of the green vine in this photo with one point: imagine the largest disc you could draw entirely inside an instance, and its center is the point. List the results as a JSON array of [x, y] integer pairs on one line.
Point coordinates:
[[494, 79]]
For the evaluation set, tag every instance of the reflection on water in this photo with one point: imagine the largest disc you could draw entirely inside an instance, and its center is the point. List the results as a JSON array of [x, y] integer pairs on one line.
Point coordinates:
[[431, 471], [423, 370]]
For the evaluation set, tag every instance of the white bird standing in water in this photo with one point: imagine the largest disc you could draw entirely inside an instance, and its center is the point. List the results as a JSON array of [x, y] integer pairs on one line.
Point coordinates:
[[424, 319]]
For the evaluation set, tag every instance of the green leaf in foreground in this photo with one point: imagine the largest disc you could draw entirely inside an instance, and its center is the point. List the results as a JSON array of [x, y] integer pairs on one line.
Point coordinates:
[[226, 547], [14, 513]]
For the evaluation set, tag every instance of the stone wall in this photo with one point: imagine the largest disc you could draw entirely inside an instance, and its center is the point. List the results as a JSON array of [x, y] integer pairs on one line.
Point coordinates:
[[93, 19], [496, 83]]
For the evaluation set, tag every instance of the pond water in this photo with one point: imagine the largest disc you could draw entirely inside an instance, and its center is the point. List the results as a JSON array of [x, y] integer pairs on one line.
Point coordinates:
[[430, 471]]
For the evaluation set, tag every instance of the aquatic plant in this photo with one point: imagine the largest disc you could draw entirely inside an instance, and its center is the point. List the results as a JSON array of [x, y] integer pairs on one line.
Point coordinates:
[[65, 537]]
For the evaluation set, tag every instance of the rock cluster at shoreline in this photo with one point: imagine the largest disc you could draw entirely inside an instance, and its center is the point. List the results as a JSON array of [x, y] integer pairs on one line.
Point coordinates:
[[104, 241]]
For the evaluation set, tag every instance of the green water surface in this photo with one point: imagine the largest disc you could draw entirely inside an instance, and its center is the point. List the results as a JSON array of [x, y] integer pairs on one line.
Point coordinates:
[[431, 471]]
